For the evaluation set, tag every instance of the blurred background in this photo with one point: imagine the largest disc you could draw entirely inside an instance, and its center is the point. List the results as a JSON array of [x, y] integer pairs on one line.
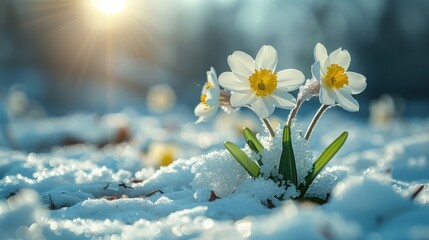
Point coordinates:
[[104, 56], [74, 55]]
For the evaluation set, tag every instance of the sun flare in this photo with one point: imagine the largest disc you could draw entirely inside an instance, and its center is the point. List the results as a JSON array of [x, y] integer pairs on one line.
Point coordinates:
[[110, 7]]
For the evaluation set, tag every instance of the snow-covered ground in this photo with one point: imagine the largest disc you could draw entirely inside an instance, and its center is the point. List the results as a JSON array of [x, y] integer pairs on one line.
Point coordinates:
[[105, 183]]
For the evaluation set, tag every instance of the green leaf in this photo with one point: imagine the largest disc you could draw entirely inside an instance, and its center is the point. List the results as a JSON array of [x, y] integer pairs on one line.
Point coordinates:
[[323, 159], [252, 141], [252, 146], [251, 167], [287, 165]]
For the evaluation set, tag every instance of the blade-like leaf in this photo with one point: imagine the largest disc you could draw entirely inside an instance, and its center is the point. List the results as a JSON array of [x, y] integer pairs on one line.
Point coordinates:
[[323, 159], [254, 144], [251, 167], [287, 165]]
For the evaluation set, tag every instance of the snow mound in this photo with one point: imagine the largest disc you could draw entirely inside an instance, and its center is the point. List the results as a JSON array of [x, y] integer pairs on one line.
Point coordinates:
[[81, 191]]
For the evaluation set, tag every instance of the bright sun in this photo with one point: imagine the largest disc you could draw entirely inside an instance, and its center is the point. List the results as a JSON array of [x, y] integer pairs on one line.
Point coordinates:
[[110, 7]]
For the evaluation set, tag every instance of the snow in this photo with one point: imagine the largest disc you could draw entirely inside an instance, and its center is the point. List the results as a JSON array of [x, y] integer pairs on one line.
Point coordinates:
[[114, 191]]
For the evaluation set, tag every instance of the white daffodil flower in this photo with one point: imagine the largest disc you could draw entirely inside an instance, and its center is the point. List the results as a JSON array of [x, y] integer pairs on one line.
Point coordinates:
[[255, 82], [337, 84], [210, 95]]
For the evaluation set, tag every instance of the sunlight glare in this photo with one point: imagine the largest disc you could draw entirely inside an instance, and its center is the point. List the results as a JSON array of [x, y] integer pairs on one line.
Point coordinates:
[[110, 7]]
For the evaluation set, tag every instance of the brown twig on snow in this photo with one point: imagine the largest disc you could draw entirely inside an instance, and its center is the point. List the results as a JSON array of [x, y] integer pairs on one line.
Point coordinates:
[[213, 196], [417, 192]]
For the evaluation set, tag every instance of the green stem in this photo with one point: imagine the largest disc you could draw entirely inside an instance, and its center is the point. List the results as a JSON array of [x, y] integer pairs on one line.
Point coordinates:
[[293, 113], [269, 127], [316, 118]]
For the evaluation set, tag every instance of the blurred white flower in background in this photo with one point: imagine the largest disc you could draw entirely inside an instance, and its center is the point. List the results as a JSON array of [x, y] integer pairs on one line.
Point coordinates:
[[231, 125], [161, 98], [337, 84], [161, 154], [254, 82], [382, 112], [18, 105]]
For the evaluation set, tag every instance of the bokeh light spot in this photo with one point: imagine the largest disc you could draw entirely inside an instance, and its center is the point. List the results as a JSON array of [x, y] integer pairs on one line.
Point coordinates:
[[110, 7]]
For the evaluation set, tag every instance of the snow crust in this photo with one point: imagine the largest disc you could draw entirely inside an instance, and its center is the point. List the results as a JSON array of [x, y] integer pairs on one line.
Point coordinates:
[[82, 191]]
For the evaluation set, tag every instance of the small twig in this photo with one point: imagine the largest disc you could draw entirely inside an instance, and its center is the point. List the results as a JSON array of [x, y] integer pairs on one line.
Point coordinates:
[[269, 126], [152, 193], [328, 197], [111, 198], [52, 206], [213, 196], [136, 180], [417, 192], [122, 184], [316, 118]]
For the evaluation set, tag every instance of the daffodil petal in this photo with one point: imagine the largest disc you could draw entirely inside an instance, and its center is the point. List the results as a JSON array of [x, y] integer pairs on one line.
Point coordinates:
[[241, 64], [326, 65], [229, 81], [357, 82], [283, 99], [207, 117], [201, 110], [346, 101], [200, 120], [333, 55], [212, 78], [204, 89], [290, 79], [315, 70], [212, 70], [266, 58], [263, 107], [239, 99], [326, 96], [342, 58], [320, 53], [212, 96], [212, 113]]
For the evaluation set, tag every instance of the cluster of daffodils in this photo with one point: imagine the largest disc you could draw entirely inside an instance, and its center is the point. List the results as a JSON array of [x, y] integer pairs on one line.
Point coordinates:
[[255, 83]]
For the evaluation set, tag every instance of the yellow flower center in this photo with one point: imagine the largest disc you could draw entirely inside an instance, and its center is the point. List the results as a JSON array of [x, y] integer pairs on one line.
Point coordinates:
[[336, 77], [263, 82], [203, 99], [203, 96], [167, 158], [208, 85]]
